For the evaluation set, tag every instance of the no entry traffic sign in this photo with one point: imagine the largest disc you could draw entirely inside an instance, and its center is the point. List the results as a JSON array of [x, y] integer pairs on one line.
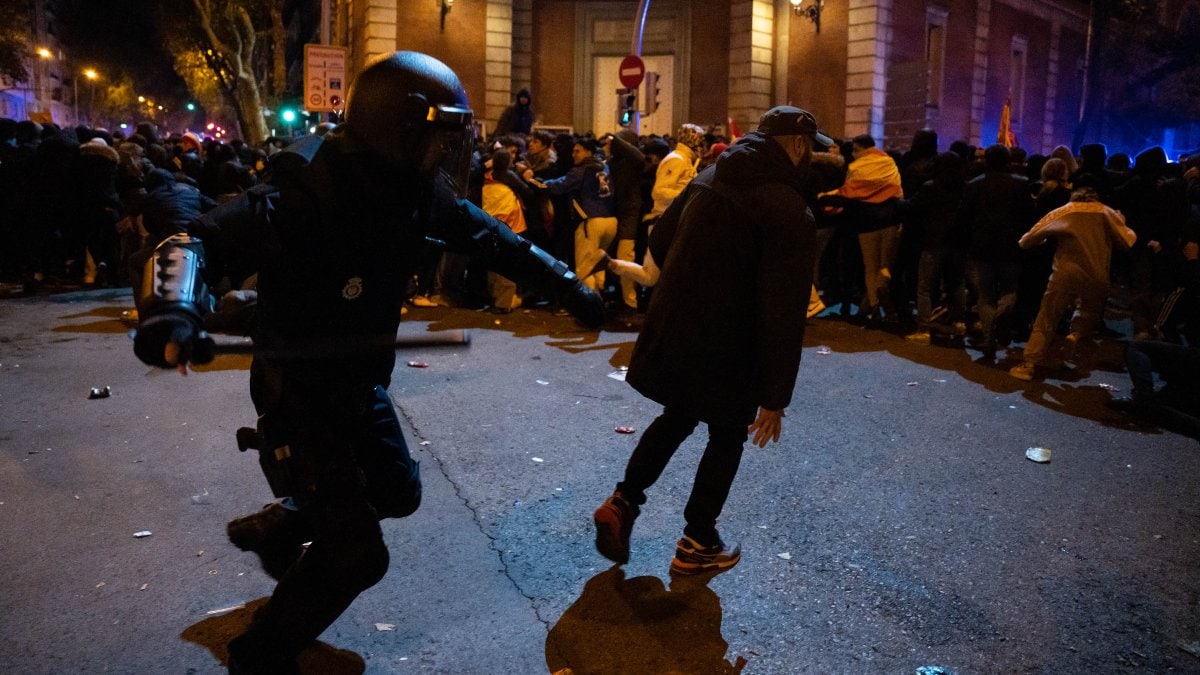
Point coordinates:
[[632, 71]]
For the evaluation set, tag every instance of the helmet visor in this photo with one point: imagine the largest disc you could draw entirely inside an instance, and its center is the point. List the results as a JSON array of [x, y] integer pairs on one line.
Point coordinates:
[[448, 155]]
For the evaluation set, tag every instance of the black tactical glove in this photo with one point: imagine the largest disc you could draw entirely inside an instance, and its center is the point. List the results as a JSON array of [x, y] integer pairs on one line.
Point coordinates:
[[154, 333], [583, 303]]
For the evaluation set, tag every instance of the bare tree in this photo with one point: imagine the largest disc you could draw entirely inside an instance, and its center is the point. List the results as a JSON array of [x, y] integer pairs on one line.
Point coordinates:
[[219, 45], [231, 39], [14, 40]]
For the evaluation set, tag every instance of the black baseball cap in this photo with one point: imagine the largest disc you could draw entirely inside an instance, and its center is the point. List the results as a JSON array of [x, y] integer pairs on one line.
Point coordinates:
[[786, 120]]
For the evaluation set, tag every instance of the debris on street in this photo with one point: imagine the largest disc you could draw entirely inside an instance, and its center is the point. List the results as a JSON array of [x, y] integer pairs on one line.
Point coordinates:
[[1040, 455]]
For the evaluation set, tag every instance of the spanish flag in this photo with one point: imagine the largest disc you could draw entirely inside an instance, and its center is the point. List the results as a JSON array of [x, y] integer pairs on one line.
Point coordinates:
[[1005, 136], [734, 132]]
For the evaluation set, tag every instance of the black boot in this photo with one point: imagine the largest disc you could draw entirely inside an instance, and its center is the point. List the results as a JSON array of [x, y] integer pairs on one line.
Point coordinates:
[[276, 534], [248, 658]]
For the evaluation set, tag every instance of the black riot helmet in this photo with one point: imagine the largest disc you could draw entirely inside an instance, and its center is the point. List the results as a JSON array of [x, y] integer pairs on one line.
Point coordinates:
[[411, 111]]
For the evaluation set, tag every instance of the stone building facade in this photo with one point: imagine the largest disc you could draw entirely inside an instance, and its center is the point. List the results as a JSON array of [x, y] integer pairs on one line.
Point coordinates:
[[884, 67]]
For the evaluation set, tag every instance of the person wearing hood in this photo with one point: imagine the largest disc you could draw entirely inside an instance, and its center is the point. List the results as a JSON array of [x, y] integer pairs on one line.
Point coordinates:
[[99, 208], [518, 117], [727, 356], [677, 169]]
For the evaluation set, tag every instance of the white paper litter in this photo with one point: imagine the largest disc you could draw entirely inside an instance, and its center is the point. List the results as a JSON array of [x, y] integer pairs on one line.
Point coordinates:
[[385, 626], [537, 459], [542, 382], [1040, 455], [785, 555], [143, 534]]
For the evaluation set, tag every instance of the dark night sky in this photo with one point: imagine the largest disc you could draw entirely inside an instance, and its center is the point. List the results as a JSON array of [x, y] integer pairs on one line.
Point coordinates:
[[120, 36]]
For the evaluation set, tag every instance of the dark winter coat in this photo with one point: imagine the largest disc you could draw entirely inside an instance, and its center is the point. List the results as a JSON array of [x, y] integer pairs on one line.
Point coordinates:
[[97, 177], [996, 210], [516, 118], [627, 164], [170, 205], [725, 327]]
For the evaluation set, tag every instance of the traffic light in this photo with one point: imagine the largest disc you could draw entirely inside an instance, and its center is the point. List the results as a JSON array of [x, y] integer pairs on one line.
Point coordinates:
[[651, 92], [287, 115], [191, 106], [626, 106]]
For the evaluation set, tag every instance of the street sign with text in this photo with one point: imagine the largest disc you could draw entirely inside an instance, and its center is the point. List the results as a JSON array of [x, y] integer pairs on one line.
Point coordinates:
[[324, 78]]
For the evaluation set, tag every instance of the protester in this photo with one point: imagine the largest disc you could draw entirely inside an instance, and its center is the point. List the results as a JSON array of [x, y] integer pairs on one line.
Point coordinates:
[[871, 192], [996, 209], [1085, 232], [744, 223], [518, 117]]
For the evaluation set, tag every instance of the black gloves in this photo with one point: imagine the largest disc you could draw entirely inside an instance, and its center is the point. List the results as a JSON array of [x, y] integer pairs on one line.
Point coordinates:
[[583, 303], [154, 333]]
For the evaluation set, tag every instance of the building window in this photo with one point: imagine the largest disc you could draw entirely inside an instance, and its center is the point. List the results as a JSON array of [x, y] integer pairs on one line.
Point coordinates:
[[1016, 80], [935, 54]]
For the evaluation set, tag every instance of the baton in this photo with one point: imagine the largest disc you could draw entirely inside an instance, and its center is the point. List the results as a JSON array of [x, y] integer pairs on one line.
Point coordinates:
[[320, 348]]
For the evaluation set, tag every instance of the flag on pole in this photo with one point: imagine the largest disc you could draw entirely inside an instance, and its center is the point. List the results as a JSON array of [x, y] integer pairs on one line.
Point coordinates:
[[1005, 135], [734, 132]]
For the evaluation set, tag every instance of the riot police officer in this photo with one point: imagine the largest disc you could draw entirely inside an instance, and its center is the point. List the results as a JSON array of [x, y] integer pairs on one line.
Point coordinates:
[[334, 241]]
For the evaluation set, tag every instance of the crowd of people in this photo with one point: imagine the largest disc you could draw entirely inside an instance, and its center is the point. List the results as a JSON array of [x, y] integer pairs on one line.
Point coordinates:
[[986, 247], [78, 203], [969, 245], [393, 207]]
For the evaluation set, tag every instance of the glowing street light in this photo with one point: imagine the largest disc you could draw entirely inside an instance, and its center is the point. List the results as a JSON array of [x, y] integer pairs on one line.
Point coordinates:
[[92, 76]]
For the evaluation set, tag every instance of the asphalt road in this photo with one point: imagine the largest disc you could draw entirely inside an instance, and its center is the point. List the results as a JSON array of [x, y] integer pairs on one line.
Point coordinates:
[[897, 525]]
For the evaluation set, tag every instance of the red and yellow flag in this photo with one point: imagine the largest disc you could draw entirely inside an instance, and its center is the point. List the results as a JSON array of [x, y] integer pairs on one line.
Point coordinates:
[[1005, 135], [734, 132]]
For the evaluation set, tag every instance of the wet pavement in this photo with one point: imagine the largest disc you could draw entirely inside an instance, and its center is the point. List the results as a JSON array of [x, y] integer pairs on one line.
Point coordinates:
[[898, 525]]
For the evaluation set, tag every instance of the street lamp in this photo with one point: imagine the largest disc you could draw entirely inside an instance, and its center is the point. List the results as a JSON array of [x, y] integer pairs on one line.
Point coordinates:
[[41, 76], [91, 75]]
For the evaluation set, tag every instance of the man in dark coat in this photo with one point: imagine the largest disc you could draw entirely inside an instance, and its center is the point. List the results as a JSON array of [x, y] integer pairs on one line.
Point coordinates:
[[518, 117], [741, 231], [996, 210]]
